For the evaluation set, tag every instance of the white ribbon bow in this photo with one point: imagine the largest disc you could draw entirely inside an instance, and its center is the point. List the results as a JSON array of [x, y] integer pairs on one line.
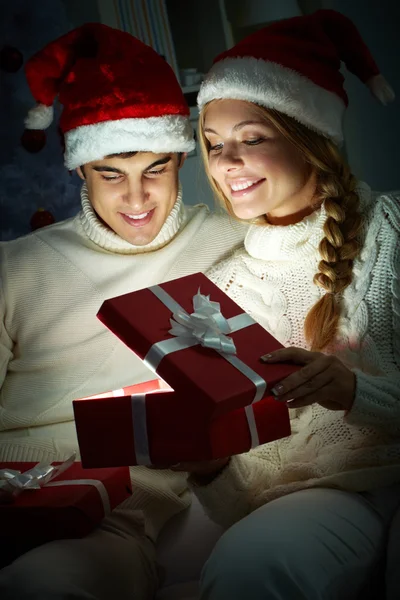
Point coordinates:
[[14, 482], [206, 324]]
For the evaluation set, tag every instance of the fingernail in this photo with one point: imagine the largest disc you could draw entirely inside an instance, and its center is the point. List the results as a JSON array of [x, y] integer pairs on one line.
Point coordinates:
[[266, 357], [278, 389]]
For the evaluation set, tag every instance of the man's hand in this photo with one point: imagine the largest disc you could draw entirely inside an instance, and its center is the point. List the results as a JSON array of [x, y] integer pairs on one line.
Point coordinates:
[[206, 469], [324, 380]]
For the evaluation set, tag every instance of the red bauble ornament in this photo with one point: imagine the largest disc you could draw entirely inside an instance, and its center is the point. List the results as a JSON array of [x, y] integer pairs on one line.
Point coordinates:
[[11, 59], [41, 218], [33, 140]]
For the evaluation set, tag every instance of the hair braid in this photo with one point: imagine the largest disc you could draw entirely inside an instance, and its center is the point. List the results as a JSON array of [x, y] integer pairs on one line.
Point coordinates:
[[338, 249]]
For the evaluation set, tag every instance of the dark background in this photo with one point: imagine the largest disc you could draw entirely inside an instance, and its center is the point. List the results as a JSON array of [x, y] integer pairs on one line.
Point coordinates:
[[198, 29]]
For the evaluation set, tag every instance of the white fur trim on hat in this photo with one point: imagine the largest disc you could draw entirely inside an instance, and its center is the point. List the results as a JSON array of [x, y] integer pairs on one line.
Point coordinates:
[[39, 117], [171, 133], [274, 86]]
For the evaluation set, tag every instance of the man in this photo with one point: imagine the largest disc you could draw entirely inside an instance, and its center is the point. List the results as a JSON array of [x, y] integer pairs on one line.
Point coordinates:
[[126, 131]]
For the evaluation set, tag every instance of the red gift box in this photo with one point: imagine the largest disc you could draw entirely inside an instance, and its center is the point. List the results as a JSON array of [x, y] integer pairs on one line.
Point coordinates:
[[207, 410], [69, 506]]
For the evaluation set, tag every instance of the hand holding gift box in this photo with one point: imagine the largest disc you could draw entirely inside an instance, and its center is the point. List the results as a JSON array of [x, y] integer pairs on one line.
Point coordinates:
[[207, 350]]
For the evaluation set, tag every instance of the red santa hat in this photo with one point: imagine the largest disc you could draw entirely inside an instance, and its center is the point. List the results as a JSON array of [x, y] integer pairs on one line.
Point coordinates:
[[293, 65], [118, 95]]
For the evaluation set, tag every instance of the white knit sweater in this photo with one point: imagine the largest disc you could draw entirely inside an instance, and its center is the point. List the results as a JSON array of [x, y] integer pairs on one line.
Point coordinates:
[[53, 349], [273, 282]]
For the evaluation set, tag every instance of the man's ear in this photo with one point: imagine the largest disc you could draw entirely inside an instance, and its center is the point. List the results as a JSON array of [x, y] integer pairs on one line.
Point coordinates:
[[81, 173], [182, 159]]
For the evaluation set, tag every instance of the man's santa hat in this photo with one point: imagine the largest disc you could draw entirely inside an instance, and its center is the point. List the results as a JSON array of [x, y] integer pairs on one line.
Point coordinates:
[[293, 65], [118, 95]]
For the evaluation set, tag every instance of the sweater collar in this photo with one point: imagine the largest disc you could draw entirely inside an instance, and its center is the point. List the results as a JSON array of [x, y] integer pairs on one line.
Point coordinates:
[[299, 241], [282, 243], [104, 237]]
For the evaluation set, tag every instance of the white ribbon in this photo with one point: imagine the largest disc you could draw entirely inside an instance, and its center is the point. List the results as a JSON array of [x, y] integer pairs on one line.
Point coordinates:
[[140, 434], [99, 485], [208, 327], [13, 482], [206, 324]]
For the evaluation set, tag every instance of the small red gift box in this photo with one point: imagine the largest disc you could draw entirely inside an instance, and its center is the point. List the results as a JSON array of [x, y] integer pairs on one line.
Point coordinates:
[[69, 506], [217, 401]]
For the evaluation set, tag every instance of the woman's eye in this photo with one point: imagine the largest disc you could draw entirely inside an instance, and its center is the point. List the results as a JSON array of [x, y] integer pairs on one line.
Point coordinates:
[[254, 142], [215, 148]]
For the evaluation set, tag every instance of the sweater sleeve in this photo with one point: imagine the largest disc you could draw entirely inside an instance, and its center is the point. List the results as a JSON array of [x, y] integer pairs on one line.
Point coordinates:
[[237, 490], [6, 343], [377, 401]]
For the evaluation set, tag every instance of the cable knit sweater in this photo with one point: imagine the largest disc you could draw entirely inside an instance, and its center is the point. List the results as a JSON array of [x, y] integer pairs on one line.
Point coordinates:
[[53, 349], [272, 280]]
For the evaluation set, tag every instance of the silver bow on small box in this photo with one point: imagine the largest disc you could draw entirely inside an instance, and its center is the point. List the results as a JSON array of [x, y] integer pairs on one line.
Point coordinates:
[[13, 482], [207, 324]]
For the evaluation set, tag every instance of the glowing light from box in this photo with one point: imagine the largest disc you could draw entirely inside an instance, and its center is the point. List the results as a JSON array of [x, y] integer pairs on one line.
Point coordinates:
[[147, 387]]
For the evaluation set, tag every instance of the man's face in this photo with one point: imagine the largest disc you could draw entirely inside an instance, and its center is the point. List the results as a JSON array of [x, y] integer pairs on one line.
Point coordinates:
[[133, 196]]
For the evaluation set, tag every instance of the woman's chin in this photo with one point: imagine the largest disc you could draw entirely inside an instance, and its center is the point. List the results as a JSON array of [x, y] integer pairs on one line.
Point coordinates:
[[246, 211], [248, 215]]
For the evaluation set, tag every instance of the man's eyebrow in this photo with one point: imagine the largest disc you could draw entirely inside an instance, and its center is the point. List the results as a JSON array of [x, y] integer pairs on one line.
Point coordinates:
[[238, 126], [161, 161], [107, 169]]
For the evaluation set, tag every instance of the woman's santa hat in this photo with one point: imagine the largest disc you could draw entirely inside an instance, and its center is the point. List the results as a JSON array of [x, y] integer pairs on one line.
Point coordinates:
[[293, 65], [118, 95]]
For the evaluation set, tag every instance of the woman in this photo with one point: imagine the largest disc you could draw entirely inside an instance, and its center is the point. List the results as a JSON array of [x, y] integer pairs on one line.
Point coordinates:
[[310, 515]]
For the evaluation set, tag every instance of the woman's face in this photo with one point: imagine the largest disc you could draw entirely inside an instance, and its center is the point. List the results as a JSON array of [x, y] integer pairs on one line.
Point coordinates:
[[258, 170]]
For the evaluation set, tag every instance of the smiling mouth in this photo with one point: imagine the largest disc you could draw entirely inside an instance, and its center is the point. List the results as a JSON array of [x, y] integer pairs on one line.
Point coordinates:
[[139, 220], [242, 188], [137, 217]]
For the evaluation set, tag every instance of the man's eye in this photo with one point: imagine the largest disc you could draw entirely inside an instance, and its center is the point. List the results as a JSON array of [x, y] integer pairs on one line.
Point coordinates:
[[156, 172], [111, 177]]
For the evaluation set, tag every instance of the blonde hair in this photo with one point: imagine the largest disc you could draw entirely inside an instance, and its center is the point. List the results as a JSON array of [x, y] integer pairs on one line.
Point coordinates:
[[335, 186]]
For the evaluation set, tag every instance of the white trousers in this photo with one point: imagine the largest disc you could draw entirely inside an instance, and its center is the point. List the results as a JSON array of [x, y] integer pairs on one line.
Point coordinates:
[[313, 544], [115, 562], [318, 544]]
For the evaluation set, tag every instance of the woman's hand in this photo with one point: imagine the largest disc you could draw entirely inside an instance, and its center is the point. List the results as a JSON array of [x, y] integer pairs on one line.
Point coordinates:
[[324, 380]]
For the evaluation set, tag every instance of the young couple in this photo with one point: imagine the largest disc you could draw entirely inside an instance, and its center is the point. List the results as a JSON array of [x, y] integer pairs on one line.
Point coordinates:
[[310, 516]]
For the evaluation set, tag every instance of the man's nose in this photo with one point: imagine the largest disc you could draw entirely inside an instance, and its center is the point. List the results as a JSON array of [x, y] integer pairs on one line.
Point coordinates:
[[135, 196]]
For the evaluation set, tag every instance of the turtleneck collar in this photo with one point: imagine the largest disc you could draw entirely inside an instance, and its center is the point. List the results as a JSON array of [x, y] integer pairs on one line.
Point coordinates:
[[282, 243], [104, 237], [298, 241]]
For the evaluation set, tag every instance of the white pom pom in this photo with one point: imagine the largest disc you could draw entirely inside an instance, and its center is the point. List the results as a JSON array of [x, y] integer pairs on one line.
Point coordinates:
[[39, 117], [381, 89]]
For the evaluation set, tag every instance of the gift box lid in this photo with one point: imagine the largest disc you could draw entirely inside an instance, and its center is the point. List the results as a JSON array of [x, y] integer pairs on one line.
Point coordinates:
[[141, 320]]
